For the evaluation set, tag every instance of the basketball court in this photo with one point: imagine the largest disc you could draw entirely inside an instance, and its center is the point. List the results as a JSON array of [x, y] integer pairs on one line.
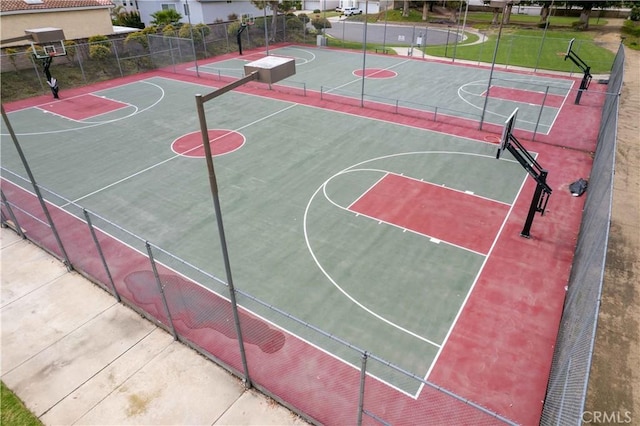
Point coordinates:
[[396, 234]]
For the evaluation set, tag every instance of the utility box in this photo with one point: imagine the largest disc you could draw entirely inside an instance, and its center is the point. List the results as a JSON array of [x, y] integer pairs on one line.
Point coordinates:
[[321, 40]]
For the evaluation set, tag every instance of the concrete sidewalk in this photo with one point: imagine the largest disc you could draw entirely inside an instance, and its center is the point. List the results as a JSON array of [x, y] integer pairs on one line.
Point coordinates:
[[76, 356]]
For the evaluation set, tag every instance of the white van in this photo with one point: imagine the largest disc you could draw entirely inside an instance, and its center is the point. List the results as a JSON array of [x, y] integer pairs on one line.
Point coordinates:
[[348, 11]]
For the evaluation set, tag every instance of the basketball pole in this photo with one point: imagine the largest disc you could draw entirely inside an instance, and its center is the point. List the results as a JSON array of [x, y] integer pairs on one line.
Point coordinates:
[[213, 183]]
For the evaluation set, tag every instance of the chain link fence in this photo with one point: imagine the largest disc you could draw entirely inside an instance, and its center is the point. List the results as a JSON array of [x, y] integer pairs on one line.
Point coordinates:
[[348, 384], [567, 388]]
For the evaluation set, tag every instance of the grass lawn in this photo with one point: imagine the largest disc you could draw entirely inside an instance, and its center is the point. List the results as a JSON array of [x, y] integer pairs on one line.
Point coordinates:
[[13, 411], [521, 47]]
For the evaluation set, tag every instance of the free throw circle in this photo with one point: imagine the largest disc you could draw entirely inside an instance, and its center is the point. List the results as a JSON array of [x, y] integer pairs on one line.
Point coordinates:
[[221, 141], [375, 73]]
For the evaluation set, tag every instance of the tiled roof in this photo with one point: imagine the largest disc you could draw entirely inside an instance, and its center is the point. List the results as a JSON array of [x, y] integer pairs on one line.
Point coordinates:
[[17, 5]]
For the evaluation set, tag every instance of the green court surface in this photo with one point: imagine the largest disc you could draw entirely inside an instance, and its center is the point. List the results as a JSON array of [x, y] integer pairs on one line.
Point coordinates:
[[421, 85], [287, 193]]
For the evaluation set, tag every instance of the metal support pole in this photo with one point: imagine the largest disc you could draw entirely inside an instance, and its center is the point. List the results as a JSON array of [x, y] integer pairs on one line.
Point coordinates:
[[544, 35], [213, 183], [384, 35], [115, 51], [533, 208], [101, 254], [36, 189], [455, 46], [266, 31], [363, 376], [364, 53], [493, 65], [187, 10], [544, 100], [161, 289]]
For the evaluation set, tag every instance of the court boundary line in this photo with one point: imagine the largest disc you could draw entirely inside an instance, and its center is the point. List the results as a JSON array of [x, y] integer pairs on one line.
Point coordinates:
[[215, 278], [475, 281], [173, 157], [126, 105], [92, 124], [330, 278], [293, 104]]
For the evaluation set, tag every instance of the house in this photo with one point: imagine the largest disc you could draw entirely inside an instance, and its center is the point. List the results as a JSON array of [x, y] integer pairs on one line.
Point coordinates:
[[77, 18], [201, 11]]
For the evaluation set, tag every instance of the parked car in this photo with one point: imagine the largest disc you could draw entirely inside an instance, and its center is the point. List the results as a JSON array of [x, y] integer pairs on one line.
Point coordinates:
[[348, 11]]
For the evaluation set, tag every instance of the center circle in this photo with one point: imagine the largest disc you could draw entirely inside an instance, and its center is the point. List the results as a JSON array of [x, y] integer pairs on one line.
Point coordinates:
[[221, 141], [375, 73]]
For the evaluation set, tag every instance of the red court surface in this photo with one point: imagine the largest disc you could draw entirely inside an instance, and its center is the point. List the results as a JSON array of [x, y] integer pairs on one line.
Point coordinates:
[[375, 73], [221, 142], [526, 96], [82, 107], [499, 352], [451, 216]]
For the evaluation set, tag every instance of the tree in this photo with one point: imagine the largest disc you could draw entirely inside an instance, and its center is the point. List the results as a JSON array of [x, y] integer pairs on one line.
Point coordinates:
[[275, 6], [585, 14], [405, 9], [166, 17], [587, 6], [128, 19], [544, 11]]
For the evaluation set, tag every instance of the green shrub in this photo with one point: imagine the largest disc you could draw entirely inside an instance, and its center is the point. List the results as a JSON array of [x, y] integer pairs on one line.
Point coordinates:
[[232, 28], [99, 52], [304, 18], [129, 19], [635, 13], [152, 29], [169, 31], [320, 23], [203, 29], [70, 48], [631, 28], [100, 40], [12, 52], [137, 37], [166, 17], [294, 24], [316, 11]]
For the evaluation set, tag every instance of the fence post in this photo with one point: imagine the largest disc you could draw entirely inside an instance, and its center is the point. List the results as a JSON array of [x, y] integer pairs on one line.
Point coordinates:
[[79, 56], [115, 50], [544, 99], [13, 216], [101, 254], [161, 288], [36, 189], [35, 67], [363, 376]]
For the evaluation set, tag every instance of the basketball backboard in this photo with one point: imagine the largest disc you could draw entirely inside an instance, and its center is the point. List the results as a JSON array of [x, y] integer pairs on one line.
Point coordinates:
[[569, 47], [507, 130], [271, 69], [47, 42]]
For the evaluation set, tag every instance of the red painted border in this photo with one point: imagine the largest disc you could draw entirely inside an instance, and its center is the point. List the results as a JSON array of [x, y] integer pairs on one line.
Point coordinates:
[[499, 352]]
